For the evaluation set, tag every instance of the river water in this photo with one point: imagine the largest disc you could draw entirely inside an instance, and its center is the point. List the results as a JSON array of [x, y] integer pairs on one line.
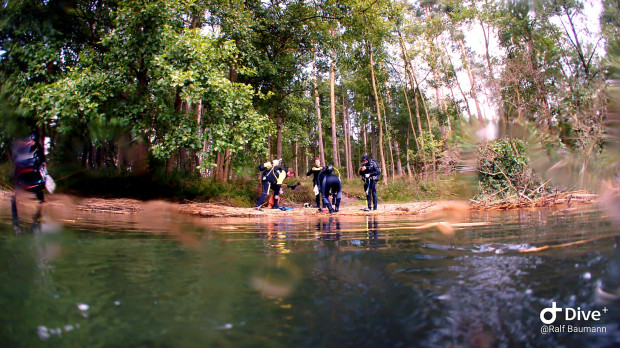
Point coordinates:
[[161, 280]]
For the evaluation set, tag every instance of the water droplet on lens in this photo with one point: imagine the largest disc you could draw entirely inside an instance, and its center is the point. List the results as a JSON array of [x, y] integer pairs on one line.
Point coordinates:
[[226, 326], [43, 333]]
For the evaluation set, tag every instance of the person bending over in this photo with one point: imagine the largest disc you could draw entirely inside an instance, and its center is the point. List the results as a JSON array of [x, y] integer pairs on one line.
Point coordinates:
[[331, 186], [272, 178]]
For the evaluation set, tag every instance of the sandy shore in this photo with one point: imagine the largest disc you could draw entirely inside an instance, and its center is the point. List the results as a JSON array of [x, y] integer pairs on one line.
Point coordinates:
[[349, 208]]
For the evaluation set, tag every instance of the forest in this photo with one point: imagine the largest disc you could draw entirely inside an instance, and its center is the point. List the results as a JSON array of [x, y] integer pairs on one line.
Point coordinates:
[[212, 88]]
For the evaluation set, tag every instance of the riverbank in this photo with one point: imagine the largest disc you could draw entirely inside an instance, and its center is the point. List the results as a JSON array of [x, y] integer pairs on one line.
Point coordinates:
[[350, 206]]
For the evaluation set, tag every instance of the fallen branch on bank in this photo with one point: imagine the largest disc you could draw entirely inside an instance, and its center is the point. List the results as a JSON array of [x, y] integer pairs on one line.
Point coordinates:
[[575, 197]]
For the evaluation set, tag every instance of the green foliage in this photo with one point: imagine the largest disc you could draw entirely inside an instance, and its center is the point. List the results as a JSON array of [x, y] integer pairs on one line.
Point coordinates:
[[143, 73], [200, 81], [401, 191], [504, 170], [178, 186], [432, 144], [6, 175]]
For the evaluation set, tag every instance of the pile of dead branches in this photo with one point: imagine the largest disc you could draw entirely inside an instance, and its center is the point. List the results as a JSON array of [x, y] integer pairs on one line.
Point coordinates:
[[548, 200]]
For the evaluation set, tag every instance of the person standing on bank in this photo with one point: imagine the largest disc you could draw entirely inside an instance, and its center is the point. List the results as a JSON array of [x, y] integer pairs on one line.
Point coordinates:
[[272, 178], [370, 173], [316, 172]]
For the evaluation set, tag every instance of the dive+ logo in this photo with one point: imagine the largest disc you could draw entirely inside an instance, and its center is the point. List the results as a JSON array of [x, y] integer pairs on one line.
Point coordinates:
[[569, 314], [551, 310]]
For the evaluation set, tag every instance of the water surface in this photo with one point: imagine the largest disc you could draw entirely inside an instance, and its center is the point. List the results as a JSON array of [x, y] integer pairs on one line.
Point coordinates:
[[161, 280]]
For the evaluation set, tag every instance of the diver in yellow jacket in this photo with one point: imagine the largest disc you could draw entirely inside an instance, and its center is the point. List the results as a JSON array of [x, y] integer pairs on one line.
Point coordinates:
[[272, 178]]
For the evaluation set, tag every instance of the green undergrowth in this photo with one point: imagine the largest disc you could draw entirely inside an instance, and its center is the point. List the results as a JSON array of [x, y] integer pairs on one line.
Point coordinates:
[[6, 176], [176, 187], [505, 172], [239, 193], [403, 190]]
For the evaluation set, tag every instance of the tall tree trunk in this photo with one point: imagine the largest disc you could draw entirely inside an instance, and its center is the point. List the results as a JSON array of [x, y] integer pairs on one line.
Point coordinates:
[[373, 141], [317, 102], [390, 133], [85, 155], [399, 164], [415, 137], [471, 81], [436, 78], [227, 160], [380, 121], [332, 99], [218, 166], [389, 139], [413, 82], [458, 112], [409, 167], [199, 157], [347, 136], [364, 129], [494, 83], [296, 160], [430, 131], [458, 84], [279, 136], [182, 159]]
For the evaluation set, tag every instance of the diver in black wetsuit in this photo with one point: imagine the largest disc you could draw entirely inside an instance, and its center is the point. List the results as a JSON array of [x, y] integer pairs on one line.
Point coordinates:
[[315, 172], [331, 185], [272, 178], [29, 159], [370, 173]]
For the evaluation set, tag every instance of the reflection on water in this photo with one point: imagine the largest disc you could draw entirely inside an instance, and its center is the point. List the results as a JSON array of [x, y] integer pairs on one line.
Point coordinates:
[[158, 279]]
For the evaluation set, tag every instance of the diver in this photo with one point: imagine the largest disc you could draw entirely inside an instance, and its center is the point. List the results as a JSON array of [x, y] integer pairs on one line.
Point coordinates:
[[30, 166], [30, 172], [331, 186], [316, 172], [373, 228], [370, 173], [289, 172], [329, 230], [272, 178]]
